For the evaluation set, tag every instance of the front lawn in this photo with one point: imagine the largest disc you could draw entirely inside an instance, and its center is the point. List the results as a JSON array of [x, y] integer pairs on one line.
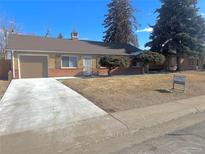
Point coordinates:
[[126, 92]]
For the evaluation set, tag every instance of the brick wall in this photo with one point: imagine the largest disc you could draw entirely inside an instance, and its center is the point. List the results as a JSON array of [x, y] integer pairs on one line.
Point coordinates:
[[65, 72], [126, 71], [54, 65], [55, 70], [120, 71]]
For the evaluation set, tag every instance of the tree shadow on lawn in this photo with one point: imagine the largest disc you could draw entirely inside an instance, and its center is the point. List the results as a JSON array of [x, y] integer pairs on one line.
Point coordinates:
[[169, 91], [164, 90]]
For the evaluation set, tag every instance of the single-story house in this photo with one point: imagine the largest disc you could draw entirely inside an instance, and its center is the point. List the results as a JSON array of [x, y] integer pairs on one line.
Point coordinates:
[[187, 62], [34, 56]]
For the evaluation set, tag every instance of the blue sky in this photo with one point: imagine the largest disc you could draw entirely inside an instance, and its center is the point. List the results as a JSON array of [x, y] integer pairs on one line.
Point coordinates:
[[86, 16]]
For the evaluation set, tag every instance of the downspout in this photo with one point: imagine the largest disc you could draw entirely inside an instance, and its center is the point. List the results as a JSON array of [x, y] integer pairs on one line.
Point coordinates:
[[13, 67]]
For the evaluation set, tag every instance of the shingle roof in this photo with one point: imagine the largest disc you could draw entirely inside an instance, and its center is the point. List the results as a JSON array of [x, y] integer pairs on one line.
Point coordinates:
[[34, 43]]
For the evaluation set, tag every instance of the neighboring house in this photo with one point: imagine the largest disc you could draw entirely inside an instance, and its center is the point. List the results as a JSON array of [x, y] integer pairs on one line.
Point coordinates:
[[34, 56], [186, 62]]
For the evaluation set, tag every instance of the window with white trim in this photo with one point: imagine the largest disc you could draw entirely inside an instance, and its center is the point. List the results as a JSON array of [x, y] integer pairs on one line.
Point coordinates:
[[69, 61]]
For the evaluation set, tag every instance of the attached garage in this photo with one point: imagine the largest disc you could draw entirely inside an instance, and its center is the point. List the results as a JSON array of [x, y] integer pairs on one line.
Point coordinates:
[[33, 66]]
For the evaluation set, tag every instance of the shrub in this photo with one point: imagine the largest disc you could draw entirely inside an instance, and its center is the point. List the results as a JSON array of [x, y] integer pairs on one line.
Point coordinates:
[[149, 57], [111, 62]]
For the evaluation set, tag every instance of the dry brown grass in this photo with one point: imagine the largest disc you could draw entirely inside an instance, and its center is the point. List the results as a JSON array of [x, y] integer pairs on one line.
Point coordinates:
[[3, 86], [126, 92]]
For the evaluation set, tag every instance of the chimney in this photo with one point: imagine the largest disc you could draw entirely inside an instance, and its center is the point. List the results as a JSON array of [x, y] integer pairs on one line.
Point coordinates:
[[74, 35]]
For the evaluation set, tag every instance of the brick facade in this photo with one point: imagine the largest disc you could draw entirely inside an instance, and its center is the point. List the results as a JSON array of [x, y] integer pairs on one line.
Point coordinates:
[[120, 71], [65, 72], [54, 64], [55, 70]]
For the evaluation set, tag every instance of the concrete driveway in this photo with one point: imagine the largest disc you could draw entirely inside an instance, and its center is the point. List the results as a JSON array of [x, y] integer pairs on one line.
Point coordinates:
[[42, 116], [31, 104]]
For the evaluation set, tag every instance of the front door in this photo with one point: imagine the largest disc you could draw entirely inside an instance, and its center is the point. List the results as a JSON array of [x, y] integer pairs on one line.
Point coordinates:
[[87, 64]]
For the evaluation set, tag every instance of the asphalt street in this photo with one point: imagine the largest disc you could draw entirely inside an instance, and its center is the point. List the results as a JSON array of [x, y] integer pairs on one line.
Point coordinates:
[[187, 141]]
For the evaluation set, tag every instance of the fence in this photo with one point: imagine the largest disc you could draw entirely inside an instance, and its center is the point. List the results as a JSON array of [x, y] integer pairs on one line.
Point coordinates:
[[5, 66]]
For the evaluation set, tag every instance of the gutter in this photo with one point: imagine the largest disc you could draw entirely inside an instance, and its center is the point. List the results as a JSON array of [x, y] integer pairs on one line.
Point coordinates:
[[78, 53]]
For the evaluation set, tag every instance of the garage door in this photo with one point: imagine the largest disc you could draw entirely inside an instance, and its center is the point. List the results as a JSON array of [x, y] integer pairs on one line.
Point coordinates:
[[33, 66]]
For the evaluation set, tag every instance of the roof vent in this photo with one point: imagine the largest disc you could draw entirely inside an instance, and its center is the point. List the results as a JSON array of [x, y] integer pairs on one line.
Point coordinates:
[[74, 35]]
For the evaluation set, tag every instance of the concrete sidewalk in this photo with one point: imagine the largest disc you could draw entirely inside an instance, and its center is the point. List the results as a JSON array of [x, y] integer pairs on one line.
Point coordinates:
[[74, 137], [140, 118]]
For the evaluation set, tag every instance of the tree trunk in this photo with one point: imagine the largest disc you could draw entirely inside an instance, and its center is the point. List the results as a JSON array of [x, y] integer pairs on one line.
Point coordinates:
[[109, 71], [168, 63], [143, 69], [147, 68], [178, 62]]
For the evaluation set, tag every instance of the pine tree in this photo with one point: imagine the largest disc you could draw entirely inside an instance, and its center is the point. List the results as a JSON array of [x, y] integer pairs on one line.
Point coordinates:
[[179, 29], [60, 36], [120, 23]]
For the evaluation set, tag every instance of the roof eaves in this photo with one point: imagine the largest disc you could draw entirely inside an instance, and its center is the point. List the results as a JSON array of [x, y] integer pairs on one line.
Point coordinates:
[[66, 52]]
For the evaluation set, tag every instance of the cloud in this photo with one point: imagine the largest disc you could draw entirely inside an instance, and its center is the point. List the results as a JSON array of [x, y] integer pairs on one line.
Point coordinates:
[[146, 30], [203, 14]]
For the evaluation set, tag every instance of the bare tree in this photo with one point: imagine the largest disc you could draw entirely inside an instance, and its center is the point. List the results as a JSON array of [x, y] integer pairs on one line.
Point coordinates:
[[48, 32], [6, 28]]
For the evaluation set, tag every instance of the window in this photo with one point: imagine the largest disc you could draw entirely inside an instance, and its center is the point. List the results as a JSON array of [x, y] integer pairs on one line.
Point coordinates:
[[69, 61], [136, 64]]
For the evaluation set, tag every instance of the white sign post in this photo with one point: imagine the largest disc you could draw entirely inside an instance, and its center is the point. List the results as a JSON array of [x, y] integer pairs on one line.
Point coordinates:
[[180, 80]]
